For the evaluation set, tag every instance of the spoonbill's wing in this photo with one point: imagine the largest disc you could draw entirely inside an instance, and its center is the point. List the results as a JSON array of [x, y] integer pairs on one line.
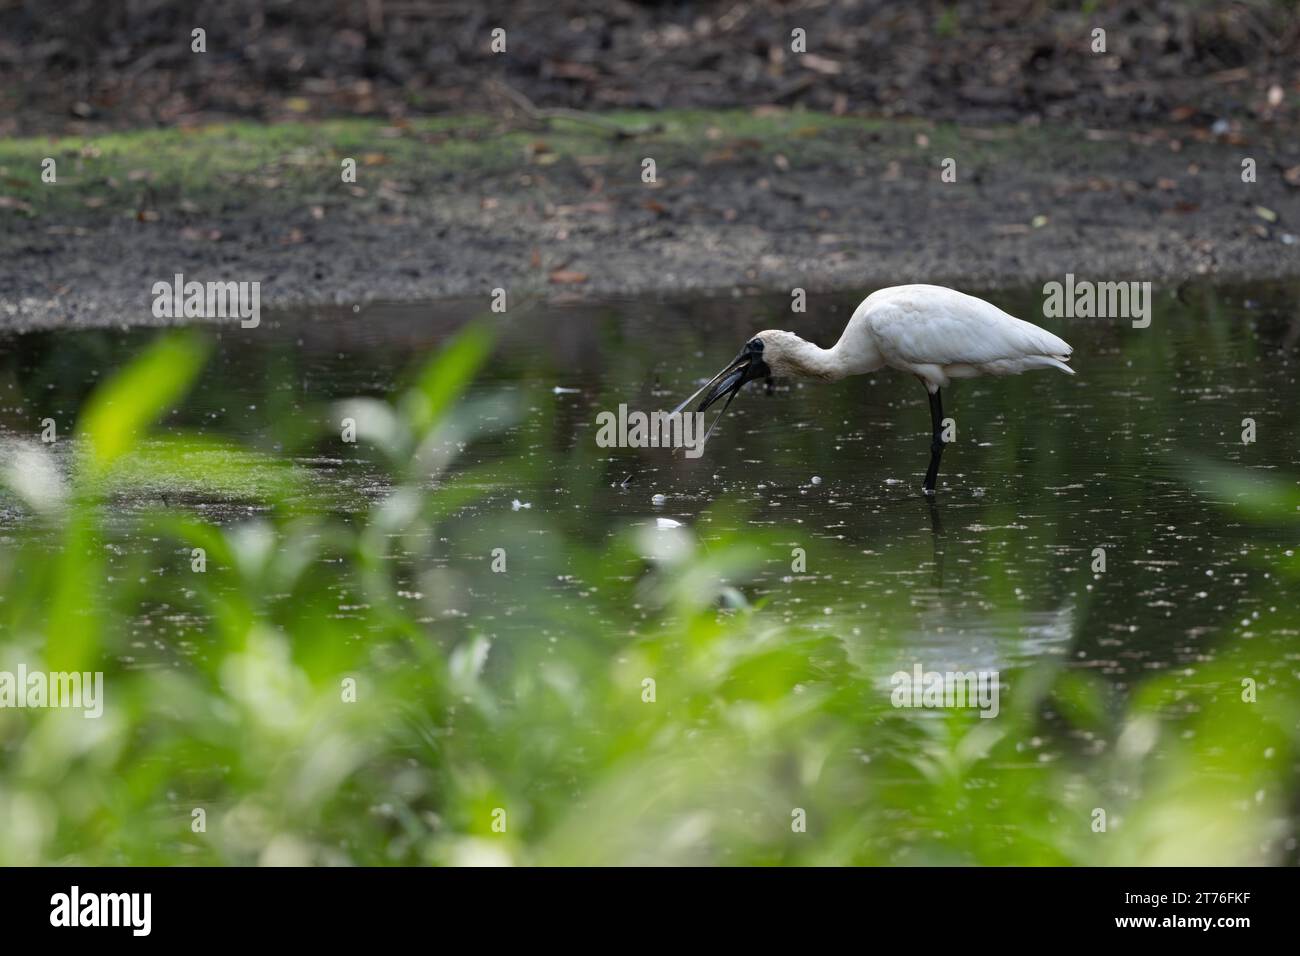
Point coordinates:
[[931, 325]]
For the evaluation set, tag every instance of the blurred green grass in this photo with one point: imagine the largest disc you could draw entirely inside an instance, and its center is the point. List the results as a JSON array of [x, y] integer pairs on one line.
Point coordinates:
[[451, 732]]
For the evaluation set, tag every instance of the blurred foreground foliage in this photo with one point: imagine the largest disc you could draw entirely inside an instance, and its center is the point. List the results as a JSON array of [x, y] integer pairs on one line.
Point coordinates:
[[754, 719]]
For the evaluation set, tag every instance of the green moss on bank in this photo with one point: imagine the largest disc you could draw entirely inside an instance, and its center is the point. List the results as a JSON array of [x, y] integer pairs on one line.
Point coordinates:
[[232, 168]]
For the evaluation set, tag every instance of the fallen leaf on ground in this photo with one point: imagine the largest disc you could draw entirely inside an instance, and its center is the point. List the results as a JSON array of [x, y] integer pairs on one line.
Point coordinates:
[[821, 64]]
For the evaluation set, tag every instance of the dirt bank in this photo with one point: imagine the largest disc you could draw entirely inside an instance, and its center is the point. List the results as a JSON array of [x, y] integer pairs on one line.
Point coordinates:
[[117, 64], [766, 199]]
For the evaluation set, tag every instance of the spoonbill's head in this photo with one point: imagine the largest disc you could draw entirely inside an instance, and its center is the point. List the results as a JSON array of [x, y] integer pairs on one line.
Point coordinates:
[[787, 355], [750, 364]]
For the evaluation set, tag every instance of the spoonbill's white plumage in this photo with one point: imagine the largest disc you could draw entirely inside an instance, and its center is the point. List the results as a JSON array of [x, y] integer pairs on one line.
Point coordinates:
[[934, 333]]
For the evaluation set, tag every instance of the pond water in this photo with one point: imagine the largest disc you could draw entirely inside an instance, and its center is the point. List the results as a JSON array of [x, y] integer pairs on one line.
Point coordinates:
[[1046, 468], [998, 572]]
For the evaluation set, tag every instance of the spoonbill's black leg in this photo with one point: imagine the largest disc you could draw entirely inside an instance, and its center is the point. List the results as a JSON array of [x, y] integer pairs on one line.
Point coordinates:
[[936, 442]]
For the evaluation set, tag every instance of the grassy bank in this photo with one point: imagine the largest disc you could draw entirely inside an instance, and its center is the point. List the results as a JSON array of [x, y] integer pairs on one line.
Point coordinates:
[[758, 199], [225, 169]]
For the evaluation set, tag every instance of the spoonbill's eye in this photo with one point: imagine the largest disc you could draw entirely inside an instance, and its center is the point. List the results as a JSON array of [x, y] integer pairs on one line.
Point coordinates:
[[756, 345]]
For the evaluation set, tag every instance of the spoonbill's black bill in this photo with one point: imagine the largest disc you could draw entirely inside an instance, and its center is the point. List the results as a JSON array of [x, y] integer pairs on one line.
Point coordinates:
[[746, 366]]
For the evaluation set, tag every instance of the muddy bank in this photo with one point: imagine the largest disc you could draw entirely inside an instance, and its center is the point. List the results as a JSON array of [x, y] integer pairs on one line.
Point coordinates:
[[113, 64], [748, 200]]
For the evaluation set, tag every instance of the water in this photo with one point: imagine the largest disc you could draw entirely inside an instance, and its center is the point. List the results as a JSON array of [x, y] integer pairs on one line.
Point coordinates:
[[1046, 468], [998, 572]]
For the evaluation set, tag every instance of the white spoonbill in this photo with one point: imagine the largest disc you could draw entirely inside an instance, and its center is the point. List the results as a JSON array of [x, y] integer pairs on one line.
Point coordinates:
[[934, 333]]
